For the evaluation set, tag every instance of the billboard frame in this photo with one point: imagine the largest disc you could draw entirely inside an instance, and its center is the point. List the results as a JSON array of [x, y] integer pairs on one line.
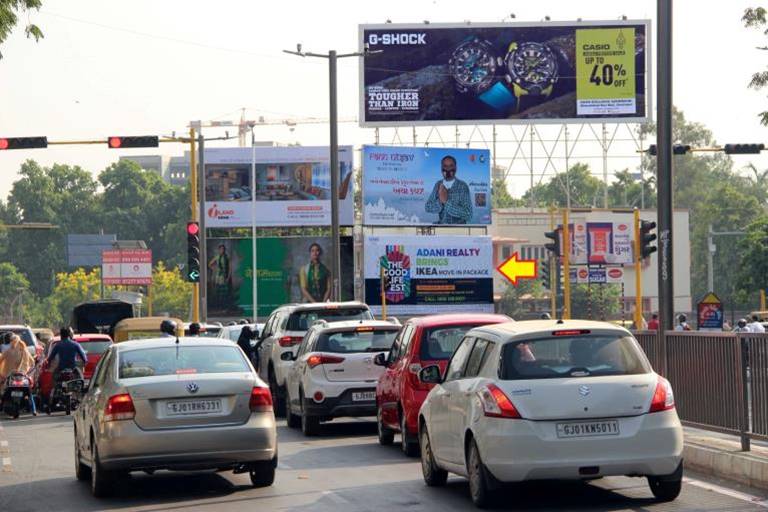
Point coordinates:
[[413, 26]]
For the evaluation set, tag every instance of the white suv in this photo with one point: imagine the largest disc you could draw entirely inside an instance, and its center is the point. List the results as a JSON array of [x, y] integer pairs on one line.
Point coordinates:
[[284, 330], [334, 373]]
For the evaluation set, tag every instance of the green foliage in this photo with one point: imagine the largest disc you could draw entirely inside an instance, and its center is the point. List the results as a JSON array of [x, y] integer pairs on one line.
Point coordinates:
[[585, 189], [9, 17], [595, 302], [500, 197], [754, 17], [753, 264], [170, 293], [519, 302], [12, 284]]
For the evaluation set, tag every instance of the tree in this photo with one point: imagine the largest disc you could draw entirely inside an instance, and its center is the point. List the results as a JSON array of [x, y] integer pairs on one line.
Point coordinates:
[[595, 302], [9, 17], [585, 189], [754, 17], [72, 288], [12, 284], [170, 293], [518, 302], [753, 264], [500, 197]]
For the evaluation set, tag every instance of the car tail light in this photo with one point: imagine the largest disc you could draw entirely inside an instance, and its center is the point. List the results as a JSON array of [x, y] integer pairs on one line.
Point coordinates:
[[318, 359], [571, 332], [289, 341], [496, 404], [119, 407], [261, 400], [663, 398]]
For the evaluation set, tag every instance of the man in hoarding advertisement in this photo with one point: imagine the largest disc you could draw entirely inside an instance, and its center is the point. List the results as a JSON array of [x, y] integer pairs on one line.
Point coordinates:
[[314, 277], [450, 198]]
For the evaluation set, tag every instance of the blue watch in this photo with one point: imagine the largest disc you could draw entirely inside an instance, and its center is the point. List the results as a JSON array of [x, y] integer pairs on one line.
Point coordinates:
[[473, 66]]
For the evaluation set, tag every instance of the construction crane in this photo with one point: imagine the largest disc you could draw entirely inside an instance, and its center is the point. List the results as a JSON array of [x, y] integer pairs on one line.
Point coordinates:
[[243, 125]]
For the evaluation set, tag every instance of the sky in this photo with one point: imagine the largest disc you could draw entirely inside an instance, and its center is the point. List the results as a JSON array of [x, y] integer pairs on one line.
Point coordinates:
[[150, 67]]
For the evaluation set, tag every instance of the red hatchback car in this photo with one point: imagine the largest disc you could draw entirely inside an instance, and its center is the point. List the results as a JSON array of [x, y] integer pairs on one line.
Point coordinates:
[[93, 344], [422, 342]]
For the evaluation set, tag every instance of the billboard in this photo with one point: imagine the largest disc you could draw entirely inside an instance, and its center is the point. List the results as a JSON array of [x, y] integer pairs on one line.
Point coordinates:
[[289, 270], [126, 267], [407, 186], [424, 274], [293, 186], [599, 275], [512, 72], [600, 243]]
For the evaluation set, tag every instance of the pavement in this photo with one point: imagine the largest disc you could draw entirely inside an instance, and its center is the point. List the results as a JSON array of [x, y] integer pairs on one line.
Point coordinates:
[[344, 469]]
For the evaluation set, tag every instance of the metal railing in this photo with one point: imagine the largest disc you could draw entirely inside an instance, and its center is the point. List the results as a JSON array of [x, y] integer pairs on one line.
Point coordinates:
[[720, 379]]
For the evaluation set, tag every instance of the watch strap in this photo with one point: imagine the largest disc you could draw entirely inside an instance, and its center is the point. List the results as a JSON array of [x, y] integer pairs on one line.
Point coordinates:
[[498, 97]]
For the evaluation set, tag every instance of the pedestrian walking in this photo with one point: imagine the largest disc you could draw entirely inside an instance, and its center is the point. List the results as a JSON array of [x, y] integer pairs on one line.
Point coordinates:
[[682, 323], [653, 325], [755, 325]]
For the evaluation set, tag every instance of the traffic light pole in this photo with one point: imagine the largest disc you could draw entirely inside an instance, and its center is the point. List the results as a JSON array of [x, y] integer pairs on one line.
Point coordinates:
[[195, 216], [638, 277], [566, 248], [553, 284], [203, 286]]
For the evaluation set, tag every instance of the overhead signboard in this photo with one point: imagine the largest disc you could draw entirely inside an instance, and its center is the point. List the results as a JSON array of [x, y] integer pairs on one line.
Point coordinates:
[[407, 186], [473, 73], [295, 269], [292, 188], [129, 267], [426, 274]]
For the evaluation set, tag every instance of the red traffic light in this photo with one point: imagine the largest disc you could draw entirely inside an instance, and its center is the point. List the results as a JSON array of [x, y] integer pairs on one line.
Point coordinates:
[[3, 143], [141, 141], [23, 143], [193, 228], [115, 142]]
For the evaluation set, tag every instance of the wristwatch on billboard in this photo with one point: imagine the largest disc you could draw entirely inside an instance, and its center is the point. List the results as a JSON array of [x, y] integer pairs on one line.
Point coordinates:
[[531, 69], [473, 67]]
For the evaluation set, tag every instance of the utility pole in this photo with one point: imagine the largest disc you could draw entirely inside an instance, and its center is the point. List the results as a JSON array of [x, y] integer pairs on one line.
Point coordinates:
[[195, 216], [711, 249], [203, 245], [332, 57], [665, 169]]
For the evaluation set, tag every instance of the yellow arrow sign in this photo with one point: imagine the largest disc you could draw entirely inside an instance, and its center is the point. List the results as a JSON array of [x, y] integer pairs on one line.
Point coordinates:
[[514, 269]]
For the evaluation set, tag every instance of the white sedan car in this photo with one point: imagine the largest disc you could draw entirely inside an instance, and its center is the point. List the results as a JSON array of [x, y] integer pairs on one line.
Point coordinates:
[[549, 400]]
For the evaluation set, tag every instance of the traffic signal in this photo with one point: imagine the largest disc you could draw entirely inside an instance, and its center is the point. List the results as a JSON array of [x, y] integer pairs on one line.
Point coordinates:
[[554, 245], [646, 237], [743, 149], [147, 141], [544, 273], [23, 142], [193, 252], [677, 149]]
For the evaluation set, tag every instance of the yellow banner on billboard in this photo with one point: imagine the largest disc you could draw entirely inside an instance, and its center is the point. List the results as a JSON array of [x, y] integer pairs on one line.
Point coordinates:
[[605, 71]]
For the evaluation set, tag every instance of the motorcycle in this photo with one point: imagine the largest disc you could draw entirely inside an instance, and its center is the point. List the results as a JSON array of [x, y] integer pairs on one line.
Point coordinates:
[[17, 394], [66, 392]]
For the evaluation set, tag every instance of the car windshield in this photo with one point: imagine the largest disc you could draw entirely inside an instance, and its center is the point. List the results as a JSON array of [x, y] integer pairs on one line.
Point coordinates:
[[303, 320], [95, 347], [181, 360], [25, 334], [361, 340], [583, 355], [440, 343]]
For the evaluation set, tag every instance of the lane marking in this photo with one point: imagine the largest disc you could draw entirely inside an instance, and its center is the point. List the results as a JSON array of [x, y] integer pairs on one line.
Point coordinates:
[[6, 464], [339, 500], [4, 447], [755, 500]]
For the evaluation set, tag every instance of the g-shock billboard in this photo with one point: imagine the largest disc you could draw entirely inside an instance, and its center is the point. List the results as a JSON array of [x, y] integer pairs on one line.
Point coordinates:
[[512, 72]]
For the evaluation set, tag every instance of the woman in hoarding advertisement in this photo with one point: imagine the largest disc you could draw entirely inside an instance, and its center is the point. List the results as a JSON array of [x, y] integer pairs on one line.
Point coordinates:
[[314, 277], [221, 279]]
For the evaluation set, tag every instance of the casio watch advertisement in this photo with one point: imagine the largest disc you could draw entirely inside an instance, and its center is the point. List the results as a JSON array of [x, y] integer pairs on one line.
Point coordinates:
[[514, 72]]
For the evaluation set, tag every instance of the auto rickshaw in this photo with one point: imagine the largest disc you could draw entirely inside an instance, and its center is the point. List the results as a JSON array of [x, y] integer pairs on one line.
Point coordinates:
[[142, 328]]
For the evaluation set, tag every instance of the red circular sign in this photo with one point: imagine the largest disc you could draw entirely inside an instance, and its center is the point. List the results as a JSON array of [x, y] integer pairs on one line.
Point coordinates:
[[583, 273], [615, 272], [622, 227]]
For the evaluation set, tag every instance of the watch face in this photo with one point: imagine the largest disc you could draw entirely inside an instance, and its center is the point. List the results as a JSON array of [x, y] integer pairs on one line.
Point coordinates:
[[473, 66], [533, 66]]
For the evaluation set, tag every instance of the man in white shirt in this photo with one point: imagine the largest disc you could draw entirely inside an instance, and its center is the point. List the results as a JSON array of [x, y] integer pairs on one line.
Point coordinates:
[[755, 325]]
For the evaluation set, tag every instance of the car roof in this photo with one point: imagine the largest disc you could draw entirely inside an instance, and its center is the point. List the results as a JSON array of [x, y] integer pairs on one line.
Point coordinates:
[[458, 319], [184, 341], [510, 330], [88, 337], [354, 324], [13, 326], [310, 306]]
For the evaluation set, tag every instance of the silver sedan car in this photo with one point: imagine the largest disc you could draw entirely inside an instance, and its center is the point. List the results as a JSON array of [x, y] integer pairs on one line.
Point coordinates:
[[176, 404]]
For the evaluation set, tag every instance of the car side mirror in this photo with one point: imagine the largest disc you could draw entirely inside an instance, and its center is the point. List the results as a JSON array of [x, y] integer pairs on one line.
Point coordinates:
[[287, 356], [430, 375], [380, 359]]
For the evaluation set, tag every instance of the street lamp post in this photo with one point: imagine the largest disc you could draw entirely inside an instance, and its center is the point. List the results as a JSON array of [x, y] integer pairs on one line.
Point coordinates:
[[332, 57]]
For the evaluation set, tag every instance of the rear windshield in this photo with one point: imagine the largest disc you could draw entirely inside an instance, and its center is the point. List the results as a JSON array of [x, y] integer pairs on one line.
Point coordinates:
[[440, 343], [572, 356], [95, 347], [303, 320], [181, 360], [25, 334], [355, 341]]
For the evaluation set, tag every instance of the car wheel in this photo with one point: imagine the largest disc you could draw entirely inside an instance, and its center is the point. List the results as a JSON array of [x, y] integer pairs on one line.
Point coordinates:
[[82, 472], [309, 424], [667, 488], [479, 488], [291, 419], [433, 475], [277, 394], [410, 449], [101, 480], [386, 436], [263, 473]]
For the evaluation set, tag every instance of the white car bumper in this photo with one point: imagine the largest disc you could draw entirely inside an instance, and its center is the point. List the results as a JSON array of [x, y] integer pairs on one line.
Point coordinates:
[[517, 450]]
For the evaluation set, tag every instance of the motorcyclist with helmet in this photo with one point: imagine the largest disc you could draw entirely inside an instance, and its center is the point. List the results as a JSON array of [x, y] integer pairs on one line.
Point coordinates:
[[167, 329], [68, 351]]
